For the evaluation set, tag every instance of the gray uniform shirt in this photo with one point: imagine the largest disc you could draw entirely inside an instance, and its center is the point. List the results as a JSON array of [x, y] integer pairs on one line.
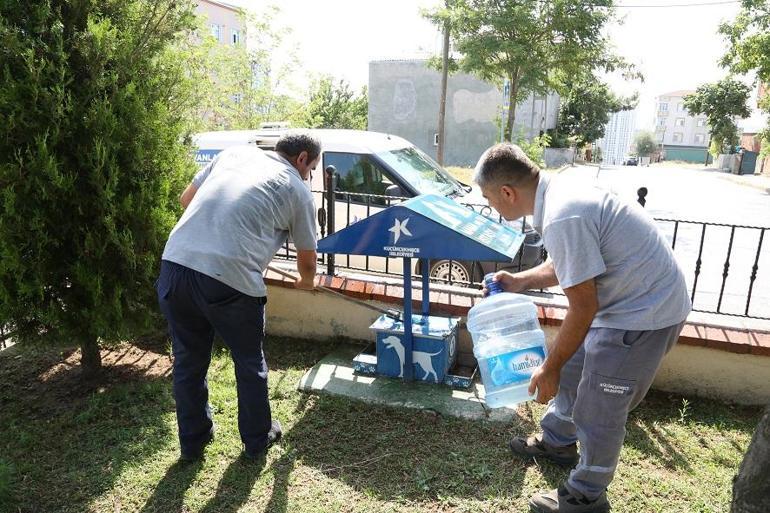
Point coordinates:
[[248, 202], [589, 233]]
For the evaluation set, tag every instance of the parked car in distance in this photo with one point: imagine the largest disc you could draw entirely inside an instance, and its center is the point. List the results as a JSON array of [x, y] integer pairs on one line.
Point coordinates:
[[633, 160], [372, 168]]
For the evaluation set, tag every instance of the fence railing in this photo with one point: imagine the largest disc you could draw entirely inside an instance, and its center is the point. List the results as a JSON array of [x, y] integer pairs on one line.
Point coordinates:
[[721, 262]]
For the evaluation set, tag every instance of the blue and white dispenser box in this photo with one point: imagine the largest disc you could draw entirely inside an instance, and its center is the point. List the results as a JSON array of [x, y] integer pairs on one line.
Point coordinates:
[[433, 350], [427, 227]]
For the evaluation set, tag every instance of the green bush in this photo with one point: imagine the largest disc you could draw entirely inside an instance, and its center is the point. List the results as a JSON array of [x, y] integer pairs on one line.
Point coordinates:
[[94, 97]]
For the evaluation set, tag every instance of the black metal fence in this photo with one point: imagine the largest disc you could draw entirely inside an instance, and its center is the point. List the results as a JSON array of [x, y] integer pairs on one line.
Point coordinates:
[[721, 262]]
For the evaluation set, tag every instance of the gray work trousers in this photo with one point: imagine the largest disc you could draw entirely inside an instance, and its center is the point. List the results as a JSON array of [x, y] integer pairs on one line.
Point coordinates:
[[605, 379]]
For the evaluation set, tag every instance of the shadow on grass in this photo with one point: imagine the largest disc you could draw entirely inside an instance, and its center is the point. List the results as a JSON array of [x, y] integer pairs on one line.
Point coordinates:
[[62, 433], [235, 486], [649, 426], [169, 492], [398, 454]]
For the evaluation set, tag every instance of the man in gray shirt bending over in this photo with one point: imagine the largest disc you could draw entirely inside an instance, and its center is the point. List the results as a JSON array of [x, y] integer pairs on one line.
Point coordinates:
[[240, 209], [627, 304]]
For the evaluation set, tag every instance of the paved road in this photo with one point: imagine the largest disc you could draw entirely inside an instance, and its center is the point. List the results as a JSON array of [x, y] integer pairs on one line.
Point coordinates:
[[704, 196]]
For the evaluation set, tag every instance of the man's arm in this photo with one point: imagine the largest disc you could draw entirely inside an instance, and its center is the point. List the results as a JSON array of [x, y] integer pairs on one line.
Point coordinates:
[[306, 265], [540, 277], [583, 305], [189, 193]]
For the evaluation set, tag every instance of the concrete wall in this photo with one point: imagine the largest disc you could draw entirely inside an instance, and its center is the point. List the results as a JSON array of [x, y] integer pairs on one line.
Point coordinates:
[[404, 100], [556, 157], [729, 163], [688, 370]]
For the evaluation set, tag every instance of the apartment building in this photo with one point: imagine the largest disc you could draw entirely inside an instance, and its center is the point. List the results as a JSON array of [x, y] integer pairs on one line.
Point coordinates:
[[223, 20], [683, 136]]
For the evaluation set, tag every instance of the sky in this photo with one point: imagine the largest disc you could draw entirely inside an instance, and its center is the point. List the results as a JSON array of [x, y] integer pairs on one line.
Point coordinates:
[[675, 47]]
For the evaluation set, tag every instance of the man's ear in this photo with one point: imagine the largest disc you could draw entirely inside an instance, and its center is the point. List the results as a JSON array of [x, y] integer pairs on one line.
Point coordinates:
[[508, 193], [302, 158]]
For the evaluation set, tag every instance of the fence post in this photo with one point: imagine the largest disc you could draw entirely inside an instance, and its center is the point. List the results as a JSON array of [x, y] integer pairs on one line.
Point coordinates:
[[642, 195], [330, 181]]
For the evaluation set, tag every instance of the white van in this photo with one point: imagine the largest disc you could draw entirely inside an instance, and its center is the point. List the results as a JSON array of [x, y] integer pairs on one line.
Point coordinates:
[[373, 170]]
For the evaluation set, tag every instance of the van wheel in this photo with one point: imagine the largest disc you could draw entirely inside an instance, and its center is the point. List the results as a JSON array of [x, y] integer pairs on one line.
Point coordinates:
[[460, 272]]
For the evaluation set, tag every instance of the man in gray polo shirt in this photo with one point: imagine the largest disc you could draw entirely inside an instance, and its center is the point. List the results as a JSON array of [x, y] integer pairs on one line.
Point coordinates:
[[627, 304], [240, 210]]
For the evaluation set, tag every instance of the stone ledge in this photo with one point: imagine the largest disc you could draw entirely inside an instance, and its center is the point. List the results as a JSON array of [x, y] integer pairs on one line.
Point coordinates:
[[447, 302]]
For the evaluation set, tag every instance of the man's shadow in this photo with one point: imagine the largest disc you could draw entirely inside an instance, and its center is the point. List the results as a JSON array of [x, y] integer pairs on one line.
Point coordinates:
[[232, 492], [235, 486], [169, 493]]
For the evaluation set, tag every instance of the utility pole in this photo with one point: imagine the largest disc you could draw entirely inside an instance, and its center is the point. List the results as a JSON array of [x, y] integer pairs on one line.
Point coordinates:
[[442, 104]]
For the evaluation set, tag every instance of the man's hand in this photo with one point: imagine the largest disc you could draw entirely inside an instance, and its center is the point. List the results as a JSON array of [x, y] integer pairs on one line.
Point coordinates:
[[509, 282], [540, 277], [546, 382]]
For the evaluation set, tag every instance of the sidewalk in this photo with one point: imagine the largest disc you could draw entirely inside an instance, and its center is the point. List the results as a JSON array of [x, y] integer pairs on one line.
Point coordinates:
[[761, 182]]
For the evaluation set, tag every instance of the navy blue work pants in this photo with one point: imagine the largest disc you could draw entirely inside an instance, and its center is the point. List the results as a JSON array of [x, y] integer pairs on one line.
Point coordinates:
[[196, 306]]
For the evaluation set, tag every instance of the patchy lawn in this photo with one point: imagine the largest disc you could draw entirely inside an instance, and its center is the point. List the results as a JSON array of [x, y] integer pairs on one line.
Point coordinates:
[[111, 447]]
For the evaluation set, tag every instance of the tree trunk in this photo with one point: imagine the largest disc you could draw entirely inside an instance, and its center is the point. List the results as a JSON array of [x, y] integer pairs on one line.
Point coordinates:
[[751, 487], [442, 105], [91, 358], [513, 91]]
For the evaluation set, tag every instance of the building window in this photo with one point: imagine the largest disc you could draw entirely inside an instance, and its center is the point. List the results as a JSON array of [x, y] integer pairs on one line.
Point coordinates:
[[678, 136], [661, 121], [235, 37], [679, 122], [216, 32], [435, 139], [237, 98], [663, 107], [680, 107], [700, 138], [701, 122]]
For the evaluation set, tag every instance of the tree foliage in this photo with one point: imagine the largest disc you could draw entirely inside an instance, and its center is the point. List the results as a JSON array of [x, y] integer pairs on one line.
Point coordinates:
[[94, 97], [333, 105], [586, 108], [645, 144], [721, 102], [240, 87], [535, 45], [748, 50]]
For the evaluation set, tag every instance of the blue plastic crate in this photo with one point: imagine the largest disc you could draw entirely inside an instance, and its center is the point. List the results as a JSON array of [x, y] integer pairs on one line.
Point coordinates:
[[434, 346]]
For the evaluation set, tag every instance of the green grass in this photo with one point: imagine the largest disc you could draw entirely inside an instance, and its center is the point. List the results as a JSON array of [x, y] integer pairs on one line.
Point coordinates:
[[111, 446]]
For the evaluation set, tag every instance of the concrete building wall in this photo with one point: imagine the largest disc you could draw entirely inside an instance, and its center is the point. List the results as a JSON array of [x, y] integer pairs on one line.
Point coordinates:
[[618, 137], [223, 21], [675, 126], [404, 100]]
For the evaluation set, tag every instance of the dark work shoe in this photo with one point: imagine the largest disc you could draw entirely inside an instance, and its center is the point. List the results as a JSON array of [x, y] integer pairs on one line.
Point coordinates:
[[198, 453], [273, 437], [534, 447], [562, 501]]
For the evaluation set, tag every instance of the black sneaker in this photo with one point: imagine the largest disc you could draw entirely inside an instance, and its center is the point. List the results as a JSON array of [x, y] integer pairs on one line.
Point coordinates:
[[562, 501], [534, 447], [273, 437], [198, 453]]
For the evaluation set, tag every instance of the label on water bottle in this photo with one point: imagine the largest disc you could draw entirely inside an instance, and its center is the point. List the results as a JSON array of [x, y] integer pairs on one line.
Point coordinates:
[[515, 366]]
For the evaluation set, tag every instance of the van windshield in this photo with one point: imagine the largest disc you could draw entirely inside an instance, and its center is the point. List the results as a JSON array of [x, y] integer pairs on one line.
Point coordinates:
[[421, 172]]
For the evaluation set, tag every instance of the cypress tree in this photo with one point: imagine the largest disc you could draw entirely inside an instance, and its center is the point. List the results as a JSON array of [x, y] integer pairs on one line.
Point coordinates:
[[94, 99]]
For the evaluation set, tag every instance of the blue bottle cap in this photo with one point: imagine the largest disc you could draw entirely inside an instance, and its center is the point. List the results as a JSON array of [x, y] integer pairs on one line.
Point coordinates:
[[492, 286]]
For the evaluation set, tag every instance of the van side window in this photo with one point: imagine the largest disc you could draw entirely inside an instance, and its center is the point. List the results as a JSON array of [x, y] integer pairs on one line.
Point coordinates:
[[358, 174]]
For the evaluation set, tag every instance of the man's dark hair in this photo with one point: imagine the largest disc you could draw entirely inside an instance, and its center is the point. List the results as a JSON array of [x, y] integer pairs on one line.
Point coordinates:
[[505, 164], [292, 144]]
